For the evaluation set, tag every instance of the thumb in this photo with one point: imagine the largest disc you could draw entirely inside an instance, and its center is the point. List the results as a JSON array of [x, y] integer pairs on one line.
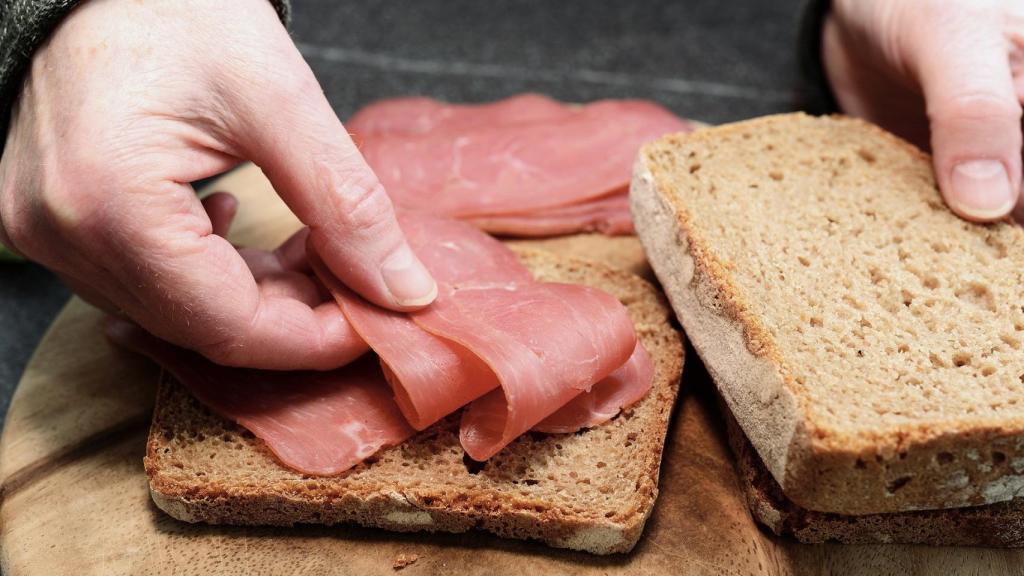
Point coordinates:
[[318, 171], [962, 63]]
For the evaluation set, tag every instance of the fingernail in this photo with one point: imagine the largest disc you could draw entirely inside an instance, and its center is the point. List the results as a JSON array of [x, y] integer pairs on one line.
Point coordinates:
[[407, 279], [981, 190]]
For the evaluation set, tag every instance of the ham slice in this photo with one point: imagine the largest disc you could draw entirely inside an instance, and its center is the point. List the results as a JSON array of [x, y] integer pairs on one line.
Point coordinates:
[[319, 423], [527, 348], [623, 387], [457, 254], [609, 215], [398, 116], [432, 376], [546, 342], [480, 169]]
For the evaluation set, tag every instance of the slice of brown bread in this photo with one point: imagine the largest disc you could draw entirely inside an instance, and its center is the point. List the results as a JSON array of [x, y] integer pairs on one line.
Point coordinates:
[[622, 252], [869, 342], [590, 491], [994, 525]]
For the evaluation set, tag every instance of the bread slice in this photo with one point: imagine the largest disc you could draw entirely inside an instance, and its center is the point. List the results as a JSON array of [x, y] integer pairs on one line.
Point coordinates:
[[622, 252], [999, 525], [869, 342], [590, 491]]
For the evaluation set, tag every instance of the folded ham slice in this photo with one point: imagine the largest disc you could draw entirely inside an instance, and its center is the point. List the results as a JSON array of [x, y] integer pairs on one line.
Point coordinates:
[[546, 342], [319, 423], [492, 325], [432, 376], [623, 387]]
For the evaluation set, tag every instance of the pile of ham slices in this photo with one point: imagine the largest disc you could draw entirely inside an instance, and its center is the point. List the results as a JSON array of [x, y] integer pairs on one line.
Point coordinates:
[[524, 166], [515, 354]]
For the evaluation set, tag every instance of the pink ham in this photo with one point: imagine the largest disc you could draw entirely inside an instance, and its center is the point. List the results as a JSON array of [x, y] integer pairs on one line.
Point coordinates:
[[546, 342], [422, 115], [491, 325], [432, 376], [319, 423], [609, 215], [518, 168], [521, 353], [620, 389], [457, 254], [505, 312]]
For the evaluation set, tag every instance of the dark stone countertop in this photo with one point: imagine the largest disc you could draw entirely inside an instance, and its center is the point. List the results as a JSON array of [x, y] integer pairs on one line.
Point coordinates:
[[706, 59]]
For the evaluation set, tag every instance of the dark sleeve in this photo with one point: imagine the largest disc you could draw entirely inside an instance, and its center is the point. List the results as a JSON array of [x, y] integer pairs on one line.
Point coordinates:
[[24, 25], [817, 94]]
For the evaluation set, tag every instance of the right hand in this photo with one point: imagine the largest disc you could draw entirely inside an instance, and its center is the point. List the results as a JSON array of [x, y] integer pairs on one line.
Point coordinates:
[[945, 72], [125, 105]]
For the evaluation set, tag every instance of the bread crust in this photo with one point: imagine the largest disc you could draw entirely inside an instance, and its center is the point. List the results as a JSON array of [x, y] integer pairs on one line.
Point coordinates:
[[202, 468], [818, 466], [999, 525], [734, 350]]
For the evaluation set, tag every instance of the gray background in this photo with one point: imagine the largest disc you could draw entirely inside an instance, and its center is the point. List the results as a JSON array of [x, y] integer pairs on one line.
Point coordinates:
[[712, 60]]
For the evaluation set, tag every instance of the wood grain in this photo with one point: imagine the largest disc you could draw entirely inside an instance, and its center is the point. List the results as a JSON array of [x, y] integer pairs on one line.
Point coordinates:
[[73, 496]]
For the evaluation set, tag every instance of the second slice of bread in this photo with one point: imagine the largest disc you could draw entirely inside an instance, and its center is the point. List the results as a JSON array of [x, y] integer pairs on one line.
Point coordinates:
[[591, 491], [869, 343], [999, 525]]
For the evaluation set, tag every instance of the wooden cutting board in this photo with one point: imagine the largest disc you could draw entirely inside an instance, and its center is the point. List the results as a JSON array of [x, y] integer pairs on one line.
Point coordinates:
[[74, 498]]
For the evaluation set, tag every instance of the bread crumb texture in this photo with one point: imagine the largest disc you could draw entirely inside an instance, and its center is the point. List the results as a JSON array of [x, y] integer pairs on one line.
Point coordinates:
[[897, 327], [591, 491]]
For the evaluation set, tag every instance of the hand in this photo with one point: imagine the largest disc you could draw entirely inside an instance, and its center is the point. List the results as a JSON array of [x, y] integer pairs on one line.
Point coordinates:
[[125, 105], [948, 71]]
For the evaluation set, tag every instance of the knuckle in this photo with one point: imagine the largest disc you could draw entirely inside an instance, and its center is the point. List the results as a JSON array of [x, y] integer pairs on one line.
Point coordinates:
[[64, 203], [21, 225], [359, 199], [8, 223], [58, 195], [70, 195], [15, 212], [13, 231], [366, 205]]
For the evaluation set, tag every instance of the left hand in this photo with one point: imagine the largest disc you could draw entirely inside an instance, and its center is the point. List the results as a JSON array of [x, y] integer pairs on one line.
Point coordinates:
[[945, 72], [128, 102]]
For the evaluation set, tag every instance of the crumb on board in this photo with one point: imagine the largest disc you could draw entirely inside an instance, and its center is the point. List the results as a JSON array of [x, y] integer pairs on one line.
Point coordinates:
[[403, 560]]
